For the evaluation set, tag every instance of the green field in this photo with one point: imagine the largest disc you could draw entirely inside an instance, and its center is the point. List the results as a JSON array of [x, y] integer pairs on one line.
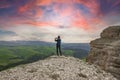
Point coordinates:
[[14, 55]]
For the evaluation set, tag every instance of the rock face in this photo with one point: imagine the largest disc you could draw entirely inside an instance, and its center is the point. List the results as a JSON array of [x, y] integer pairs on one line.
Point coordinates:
[[105, 51], [56, 68]]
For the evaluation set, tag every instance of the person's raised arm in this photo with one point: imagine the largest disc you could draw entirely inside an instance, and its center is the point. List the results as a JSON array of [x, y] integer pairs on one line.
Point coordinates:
[[56, 39]]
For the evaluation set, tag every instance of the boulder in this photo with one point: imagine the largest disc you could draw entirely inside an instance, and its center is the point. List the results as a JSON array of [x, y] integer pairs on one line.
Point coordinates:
[[111, 32]]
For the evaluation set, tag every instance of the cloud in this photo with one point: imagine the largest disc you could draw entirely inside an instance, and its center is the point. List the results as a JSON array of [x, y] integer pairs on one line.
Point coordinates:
[[43, 2], [4, 4], [64, 9], [60, 15], [41, 24], [92, 5], [4, 33], [7, 35], [109, 7], [48, 34]]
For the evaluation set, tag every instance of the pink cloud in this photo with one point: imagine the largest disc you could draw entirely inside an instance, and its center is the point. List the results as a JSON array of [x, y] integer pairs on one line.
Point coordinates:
[[80, 21], [23, 8], [43, 2], [63, 11], [92, 5], [41, 24], [30, 5], [27, 10], [62, 8], [38, 13], [64, 2]]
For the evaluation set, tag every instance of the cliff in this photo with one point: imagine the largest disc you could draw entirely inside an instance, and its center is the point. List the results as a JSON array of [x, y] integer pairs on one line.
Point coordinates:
[[105, 51], [56, 68]]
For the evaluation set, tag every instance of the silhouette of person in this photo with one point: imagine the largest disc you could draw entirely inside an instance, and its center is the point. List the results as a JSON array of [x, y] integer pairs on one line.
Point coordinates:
[[58, 46]]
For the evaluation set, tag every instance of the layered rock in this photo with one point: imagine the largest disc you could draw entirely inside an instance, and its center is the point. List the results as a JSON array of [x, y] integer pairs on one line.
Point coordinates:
[[105, 51], [56, 68]]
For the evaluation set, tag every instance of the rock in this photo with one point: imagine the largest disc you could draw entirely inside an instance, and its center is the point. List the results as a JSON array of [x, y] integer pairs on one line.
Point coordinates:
[[111, 32], [105, 51], [56, 68]]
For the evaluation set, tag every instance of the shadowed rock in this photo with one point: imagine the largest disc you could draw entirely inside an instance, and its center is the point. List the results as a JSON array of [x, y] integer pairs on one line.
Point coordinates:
[[105, 51]]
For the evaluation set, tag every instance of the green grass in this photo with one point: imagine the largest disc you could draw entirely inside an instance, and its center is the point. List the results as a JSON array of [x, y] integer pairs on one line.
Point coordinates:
[[15, 55], [5, 56]]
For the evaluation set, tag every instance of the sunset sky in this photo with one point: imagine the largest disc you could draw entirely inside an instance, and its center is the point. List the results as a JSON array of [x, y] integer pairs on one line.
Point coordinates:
[[76, 21]]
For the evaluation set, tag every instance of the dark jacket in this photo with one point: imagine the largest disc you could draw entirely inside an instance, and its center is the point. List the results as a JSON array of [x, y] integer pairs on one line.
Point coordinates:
[[58, 40]]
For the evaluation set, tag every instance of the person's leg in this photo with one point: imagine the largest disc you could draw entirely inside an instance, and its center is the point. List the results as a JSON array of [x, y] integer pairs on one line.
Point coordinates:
[[57, 50], [60, 51]]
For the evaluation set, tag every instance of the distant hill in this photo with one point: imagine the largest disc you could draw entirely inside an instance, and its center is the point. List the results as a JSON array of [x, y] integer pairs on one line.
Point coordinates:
[[81, 50], [17, 43], [42, 43], [84, 46], [78, 48]]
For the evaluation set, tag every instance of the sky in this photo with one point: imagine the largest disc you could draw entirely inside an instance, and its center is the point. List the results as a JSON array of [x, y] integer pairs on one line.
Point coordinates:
[[76, 21]]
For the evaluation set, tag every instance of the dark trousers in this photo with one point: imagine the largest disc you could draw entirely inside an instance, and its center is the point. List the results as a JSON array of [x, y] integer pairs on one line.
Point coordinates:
[[58, 50]]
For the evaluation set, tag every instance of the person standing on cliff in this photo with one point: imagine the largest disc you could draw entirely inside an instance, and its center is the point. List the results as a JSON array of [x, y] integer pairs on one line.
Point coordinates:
[[58, 46]]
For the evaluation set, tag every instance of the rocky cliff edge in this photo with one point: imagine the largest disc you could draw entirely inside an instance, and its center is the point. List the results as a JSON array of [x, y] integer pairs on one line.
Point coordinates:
[[56, 68], [105, 51]]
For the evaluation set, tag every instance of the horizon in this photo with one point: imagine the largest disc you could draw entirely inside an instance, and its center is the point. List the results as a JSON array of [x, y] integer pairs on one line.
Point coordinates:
[[76, 21], [41, 41]]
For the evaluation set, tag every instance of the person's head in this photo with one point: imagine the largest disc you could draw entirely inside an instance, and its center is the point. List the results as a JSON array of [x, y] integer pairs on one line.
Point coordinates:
[[58, 36]]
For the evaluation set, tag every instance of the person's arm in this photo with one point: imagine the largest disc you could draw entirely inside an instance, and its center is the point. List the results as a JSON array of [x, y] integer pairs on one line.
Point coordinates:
[[56, 39]]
